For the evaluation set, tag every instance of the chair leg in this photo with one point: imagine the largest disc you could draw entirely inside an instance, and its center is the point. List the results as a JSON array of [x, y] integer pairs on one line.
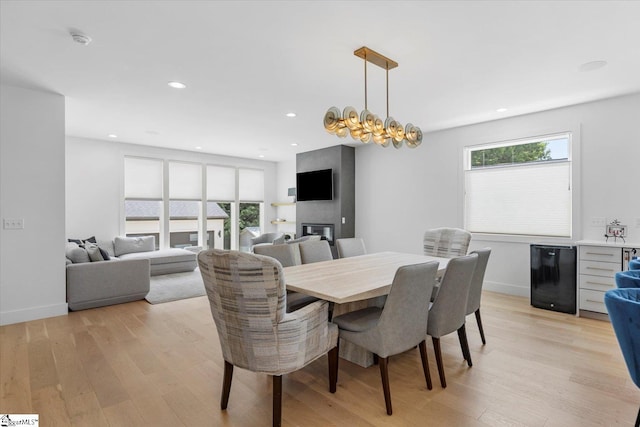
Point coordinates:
[[425, 363], [226, 384], [333, 368], [436, 348], [277, 400], [384, 373], [479, 321], [464, 351], [638, 419], [375, 359], [462, 335]]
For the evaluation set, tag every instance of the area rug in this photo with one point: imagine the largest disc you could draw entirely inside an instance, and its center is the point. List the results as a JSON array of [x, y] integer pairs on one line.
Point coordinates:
[[176, 286]]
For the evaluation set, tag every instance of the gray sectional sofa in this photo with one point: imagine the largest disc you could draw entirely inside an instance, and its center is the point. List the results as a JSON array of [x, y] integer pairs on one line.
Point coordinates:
[[102, 273]]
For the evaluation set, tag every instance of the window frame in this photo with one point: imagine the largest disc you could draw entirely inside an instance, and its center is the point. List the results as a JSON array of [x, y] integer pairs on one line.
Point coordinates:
[[517, 137]]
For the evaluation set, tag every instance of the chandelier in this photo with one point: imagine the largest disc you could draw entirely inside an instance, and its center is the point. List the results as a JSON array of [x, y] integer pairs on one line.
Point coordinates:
[[366, 126]]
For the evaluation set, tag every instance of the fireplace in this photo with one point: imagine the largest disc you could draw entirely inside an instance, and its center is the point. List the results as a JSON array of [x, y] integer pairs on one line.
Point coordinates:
[[325, 231]]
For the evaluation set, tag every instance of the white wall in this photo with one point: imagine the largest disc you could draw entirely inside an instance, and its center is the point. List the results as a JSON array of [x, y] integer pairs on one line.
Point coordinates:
[[401, 193], [32, 262], [95, 188]]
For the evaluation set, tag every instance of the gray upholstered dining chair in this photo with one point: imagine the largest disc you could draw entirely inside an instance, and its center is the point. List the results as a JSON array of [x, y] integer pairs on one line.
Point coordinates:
[[288, 255], [247, 298], [397, 327], [350, 247], [448, 312], [475, 291], [446, 242], [315, 251]]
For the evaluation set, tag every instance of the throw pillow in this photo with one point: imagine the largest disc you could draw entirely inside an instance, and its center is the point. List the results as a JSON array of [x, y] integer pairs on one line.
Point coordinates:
[[128, 245], [92, 239], [94, 251], [76, 254]]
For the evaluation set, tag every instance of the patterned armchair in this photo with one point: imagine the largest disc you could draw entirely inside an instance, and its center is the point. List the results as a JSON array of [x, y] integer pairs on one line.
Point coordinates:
[[247, 297], [446, 242]]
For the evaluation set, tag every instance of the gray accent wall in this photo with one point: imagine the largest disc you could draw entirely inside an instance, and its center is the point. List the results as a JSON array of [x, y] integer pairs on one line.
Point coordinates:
[[341, 159]]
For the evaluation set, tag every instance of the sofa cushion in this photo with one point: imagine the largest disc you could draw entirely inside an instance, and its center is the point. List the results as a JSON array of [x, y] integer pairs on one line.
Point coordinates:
[[163, 256], [76, 254], [129, 245], [94, 251], [92, 239]]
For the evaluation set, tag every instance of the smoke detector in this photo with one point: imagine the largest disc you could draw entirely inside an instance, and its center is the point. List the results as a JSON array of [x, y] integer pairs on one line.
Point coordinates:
[[80, 38]]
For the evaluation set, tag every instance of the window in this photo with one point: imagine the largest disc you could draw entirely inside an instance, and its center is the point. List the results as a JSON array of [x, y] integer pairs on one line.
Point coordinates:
[[519, 187], [185, 195], [190, 204], [143, 197], [221, 196], [251, 196]]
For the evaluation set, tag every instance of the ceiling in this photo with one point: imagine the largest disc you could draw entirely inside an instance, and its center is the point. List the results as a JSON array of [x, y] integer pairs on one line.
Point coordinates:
[[248, 63]]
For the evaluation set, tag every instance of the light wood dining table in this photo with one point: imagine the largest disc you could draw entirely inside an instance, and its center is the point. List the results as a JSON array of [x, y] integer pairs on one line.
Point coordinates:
[[353, 283]]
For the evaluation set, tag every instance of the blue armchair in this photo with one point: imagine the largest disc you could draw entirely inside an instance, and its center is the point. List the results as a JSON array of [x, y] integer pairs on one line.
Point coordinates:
[[623, 306], [634, 264], [628, 279]]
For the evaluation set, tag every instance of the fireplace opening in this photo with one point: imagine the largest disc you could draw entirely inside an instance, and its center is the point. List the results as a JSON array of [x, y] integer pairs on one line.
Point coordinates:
[[325, 231]]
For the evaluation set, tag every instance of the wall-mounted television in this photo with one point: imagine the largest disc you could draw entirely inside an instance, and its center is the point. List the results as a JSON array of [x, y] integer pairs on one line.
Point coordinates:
[[314, 185]]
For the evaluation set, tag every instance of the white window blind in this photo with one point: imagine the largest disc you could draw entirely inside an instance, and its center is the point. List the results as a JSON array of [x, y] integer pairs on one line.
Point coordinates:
[[531, 199], [185, 181], [221, 183], [251, 185], [142, 178]]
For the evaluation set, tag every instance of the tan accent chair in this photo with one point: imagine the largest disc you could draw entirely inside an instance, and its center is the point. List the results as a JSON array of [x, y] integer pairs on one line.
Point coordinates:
[[448, 312], [350, 247], [446, 242], [247, 298], [288, 255], [397, 327]]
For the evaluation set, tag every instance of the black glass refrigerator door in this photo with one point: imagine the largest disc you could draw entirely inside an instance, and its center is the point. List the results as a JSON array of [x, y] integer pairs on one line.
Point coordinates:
[[553, 278]]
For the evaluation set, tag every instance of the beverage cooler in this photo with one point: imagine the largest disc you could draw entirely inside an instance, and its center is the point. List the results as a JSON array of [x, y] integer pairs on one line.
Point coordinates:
[[553, 278]]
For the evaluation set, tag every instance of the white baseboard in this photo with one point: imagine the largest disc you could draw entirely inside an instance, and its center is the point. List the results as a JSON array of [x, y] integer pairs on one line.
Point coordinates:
[[507, 288], [33, 313]]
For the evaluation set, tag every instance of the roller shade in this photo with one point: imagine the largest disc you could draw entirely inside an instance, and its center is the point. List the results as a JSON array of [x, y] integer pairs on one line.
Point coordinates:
[[221, 183], [185, 181], [251, 185], [142, 178], [533, 199]]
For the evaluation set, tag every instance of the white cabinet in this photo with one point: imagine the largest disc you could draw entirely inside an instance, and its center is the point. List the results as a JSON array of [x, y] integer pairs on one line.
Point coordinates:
[[597, 268]]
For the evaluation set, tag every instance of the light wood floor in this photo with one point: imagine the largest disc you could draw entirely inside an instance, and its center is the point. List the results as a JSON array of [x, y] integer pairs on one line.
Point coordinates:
[[138, 364]]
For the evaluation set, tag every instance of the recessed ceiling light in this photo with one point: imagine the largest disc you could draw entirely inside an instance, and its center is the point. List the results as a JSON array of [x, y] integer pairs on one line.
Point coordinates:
[[112, 135], [198, 148], [177, 85], [592, 66], [291, 114], [501, 110], [294, 144], [261, 156]]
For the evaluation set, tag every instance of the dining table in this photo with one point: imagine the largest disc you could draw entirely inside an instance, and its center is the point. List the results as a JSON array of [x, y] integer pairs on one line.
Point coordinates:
[[353, 283]]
